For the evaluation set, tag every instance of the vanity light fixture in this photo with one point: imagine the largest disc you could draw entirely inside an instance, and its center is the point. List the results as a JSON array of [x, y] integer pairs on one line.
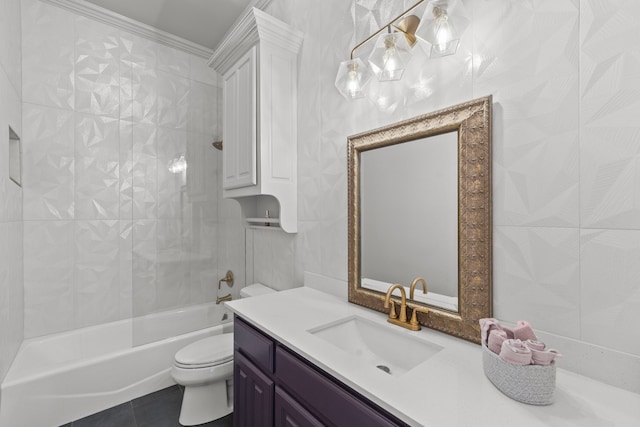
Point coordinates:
[[438, 30], [392, 52]]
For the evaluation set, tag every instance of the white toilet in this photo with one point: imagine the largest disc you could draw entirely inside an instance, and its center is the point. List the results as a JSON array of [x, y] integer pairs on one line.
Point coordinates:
[[205, 369]]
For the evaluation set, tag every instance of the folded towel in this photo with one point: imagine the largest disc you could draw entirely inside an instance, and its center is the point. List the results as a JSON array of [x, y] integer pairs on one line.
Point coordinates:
[[496, 338], [486, 326], [545, 357], [515, 352], [523, 331], [534, 345]]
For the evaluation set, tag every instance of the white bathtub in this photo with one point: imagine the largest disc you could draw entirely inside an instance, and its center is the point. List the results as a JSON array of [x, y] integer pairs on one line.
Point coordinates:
[[60, 378]]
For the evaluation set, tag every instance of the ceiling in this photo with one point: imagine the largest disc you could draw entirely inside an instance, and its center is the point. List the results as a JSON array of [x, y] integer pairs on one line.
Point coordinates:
[[204, 22]]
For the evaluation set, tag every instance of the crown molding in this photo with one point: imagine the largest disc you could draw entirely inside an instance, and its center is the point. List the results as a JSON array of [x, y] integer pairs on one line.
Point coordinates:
[[252, 27], [92, 11]]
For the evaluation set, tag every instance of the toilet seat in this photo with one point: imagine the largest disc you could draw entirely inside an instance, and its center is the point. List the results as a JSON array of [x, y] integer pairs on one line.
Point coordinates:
[[207, 352]]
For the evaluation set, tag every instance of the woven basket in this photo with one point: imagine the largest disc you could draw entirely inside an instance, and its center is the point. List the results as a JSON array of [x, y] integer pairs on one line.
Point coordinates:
[[532, 384]]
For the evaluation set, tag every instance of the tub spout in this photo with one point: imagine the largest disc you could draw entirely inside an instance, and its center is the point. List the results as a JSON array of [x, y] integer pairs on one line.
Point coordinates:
[[224, 298]]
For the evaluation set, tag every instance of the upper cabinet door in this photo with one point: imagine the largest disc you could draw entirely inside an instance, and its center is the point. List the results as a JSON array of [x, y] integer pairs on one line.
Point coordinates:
[[239, 123]]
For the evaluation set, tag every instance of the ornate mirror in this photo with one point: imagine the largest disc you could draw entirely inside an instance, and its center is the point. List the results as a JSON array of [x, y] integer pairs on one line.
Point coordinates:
[[420, 206]]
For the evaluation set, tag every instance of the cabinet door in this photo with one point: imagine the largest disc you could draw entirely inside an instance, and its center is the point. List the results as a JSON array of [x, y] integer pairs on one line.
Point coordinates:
[[239, 123], [253, 395], [289, 413]]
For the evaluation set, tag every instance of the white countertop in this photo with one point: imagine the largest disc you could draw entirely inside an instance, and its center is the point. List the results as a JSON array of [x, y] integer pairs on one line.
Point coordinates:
[[448, 389]]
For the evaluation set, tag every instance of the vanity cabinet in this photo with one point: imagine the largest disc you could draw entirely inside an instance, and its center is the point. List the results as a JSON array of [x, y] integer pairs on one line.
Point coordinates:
[[275, 386], [258, 64]]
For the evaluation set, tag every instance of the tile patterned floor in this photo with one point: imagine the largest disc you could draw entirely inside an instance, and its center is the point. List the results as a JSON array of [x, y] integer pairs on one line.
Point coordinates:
[[159, 409]]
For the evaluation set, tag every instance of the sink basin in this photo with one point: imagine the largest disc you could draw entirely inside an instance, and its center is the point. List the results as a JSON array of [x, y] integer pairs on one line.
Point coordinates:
[[386, 347]]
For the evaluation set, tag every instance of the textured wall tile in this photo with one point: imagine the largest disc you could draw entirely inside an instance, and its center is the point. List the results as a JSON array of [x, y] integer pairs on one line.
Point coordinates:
[[144, 172], [173, 100], [199, 71], [174, 263], [609, 62], [610, 178], [173, 61], [145, 253], [138, 92], [202, 111], [48, 277], [125, 250], [537, 278], [97, 164], [11, 292], [11, 42], [610, 288], [47, 55], [10, 116], [97, 272], [48, 163], [525, 55]]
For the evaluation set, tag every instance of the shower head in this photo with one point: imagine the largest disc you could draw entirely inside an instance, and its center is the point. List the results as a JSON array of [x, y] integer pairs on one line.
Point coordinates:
[[218, 145]]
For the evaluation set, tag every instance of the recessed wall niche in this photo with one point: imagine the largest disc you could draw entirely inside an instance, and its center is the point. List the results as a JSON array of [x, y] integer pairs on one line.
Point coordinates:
[[15, 157]]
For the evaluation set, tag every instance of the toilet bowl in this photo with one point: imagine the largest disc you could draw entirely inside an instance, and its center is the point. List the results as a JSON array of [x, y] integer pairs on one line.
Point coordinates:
[[205, 369]]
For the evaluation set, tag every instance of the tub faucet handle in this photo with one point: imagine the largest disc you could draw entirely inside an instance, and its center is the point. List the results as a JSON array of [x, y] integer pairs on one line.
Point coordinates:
[[228, 279]]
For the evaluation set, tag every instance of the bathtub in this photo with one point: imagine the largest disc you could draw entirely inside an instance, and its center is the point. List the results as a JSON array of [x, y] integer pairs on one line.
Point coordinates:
[[56, 379]]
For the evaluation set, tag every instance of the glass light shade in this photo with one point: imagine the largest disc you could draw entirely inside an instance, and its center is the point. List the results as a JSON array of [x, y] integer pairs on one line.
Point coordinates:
[[437, 27], [352, 78], [390, 56]]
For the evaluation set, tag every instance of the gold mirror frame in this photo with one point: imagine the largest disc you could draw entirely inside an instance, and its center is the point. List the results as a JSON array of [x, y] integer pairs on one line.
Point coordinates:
[[472, 120]]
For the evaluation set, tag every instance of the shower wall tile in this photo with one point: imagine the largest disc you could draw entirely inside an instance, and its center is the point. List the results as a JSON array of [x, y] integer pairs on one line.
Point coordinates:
[[11, 43], [174, 61], [145, 171], [97, 164], [525, 56], [11, 292], [10, 116], [125, 247], [97, 82], [610, 288], [126, 170], [537, 278], [145, 254], [97, 272], [47, 55], [48, 163], [202, 109], [173, 100], [49, 250], [199, 71], [141, 100]]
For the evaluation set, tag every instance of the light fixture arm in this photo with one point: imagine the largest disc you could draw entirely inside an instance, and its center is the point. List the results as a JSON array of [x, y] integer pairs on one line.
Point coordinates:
[[388, 25]]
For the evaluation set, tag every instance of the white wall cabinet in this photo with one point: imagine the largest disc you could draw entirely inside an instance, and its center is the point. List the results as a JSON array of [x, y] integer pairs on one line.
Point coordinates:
[[258, 63]]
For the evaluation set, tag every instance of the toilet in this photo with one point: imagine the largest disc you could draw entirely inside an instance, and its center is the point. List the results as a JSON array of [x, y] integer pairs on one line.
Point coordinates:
[[205, 369]]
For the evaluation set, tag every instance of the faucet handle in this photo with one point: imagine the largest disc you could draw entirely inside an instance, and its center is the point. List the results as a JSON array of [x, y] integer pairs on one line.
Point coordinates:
[[392, 311], [414, 318]]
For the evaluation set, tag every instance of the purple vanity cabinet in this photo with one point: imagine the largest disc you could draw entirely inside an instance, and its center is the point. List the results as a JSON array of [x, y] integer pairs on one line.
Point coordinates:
[[275, 386]]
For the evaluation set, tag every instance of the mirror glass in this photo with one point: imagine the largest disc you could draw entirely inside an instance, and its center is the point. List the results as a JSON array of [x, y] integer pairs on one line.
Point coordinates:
[[409, 217], [420, 207]]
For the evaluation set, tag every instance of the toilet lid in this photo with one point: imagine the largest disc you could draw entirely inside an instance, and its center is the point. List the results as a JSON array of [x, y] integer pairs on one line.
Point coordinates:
[[207, 351]]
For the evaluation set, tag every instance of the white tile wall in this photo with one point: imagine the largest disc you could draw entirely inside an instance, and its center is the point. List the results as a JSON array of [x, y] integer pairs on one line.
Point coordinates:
[[11, 224], [111, 232]]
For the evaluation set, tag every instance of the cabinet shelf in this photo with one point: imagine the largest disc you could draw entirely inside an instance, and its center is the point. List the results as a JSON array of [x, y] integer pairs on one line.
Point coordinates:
[[260, 223]]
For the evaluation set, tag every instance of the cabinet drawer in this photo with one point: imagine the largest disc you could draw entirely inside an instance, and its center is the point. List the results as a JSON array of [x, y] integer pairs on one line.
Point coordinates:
[[327, 400], [289, 413], [253, 344]]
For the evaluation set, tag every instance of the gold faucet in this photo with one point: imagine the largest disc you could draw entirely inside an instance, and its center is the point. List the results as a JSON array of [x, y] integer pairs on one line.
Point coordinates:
[[402, 319], [414, 318], [224, 298]]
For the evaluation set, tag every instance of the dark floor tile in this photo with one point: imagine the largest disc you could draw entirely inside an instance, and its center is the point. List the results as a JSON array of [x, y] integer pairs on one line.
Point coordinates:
[[222, 422], [66, 425], [159, 409], [118, 416]]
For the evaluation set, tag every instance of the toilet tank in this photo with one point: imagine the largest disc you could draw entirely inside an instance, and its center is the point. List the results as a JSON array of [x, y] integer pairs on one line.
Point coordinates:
[[255, 290]]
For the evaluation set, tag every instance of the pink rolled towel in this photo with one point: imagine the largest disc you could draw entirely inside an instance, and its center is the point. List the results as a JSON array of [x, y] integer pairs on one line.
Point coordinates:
[[523, 331], [534, 345], [544, 357], [486, 326], [496, 338], [515, 352]]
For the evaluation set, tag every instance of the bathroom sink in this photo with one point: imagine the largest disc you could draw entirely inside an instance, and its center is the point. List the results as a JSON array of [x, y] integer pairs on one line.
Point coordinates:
[[386, 347]]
